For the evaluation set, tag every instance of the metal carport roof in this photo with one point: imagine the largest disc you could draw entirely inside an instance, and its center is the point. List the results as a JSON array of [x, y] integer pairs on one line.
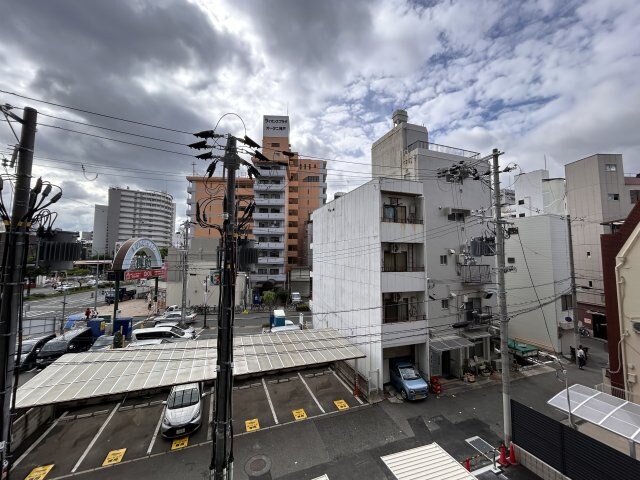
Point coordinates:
[[612, 413], [88, 375], [449, 342]]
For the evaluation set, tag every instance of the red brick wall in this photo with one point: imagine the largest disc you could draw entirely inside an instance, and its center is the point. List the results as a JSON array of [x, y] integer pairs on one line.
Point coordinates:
[[610, 245]]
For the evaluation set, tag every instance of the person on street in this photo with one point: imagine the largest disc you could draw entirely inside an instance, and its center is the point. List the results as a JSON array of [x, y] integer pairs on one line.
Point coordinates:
[[87, 314], [581, 357]]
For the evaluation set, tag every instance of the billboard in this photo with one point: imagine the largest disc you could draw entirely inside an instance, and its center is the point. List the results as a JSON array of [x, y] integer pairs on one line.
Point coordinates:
[[275, 126]]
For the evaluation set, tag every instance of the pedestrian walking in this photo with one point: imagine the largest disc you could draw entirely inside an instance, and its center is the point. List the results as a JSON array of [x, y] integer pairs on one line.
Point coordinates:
[[581, 357], [87, 314]]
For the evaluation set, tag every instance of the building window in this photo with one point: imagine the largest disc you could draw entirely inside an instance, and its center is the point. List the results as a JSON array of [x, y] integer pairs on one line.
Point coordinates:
[[610, 167], [634, 195], [613, 196], [511, 260], [520, 202], [590, 284], [443, 259], [456, 217], [521, 215], [444, 303], [567, 302], [276, 144], [262, 271], [588, 254], [274, 271]]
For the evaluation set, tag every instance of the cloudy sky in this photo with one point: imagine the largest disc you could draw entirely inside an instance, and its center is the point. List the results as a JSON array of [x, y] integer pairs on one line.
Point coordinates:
[[554, 79]]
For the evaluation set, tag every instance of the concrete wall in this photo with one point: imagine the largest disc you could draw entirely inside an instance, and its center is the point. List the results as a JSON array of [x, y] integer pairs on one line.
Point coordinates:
[[346, 271], [529, 196], [545, 244], [628, 281]]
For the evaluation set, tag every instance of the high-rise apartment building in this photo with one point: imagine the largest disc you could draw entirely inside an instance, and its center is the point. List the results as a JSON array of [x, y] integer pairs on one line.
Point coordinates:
[[131, 214], [288, 190]]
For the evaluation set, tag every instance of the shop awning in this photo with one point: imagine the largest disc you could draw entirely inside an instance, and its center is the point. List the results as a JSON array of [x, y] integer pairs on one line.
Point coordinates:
[[452, 342], [476, 335]]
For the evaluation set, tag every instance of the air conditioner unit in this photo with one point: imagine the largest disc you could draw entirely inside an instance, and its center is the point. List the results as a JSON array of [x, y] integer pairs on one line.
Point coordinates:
[[412, 209], [462, 259]]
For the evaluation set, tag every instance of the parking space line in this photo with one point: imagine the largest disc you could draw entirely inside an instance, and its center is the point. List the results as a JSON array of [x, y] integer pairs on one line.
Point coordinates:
[[39, 473], [155, 433], [37, 442], [273, 410], [345, 386], [95, 438], [210, 424], [311, 393]]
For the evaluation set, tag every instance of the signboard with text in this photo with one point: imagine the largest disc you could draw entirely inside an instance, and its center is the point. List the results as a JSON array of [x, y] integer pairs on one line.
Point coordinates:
[[275, 126], [140, 274]]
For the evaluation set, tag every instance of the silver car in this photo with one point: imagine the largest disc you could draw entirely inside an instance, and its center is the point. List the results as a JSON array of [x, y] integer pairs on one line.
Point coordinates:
[[183, 410]]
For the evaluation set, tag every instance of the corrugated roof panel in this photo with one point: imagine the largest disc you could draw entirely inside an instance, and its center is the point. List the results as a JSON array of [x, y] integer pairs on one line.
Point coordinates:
[[95, 374], [429, 461]]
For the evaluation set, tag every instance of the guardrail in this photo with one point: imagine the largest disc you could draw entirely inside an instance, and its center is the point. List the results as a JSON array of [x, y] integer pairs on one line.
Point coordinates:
[[618, 392]]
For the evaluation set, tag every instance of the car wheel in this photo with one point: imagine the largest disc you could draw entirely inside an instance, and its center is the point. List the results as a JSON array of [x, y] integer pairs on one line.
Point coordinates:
[[403, 394]]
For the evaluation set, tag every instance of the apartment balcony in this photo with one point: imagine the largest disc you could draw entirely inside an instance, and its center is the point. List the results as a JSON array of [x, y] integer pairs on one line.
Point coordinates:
[[269, 187], [411, 280], [268, 230], [404, 333], [267, 173], [271, 260], [268, 216], [410, 231], [191, 189], [274, 277], [270, 245], [270, 201], [475, 274]]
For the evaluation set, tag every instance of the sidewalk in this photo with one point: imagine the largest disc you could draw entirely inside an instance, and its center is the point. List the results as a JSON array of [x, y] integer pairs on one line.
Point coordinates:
[[128, 308]]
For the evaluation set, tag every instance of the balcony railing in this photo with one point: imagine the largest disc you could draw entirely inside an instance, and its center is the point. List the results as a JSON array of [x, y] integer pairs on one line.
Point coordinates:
[[268, 216], [475, 273], [271, 260], [407, 269], [410, 220], [443, 149], [269, 187]]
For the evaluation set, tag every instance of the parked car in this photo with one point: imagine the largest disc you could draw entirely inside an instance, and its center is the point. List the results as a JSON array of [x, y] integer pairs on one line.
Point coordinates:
[[103, 342], [186, 328], [176, 316], [159, 332], [172, 308], [183, 410], [30, 349], [151, 341], [288, 326], [64, 287], [407, 380], [73, 341], [296, 297], [92, 282]]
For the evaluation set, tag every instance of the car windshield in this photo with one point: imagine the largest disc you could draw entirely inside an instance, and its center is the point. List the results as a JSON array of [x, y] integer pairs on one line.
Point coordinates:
[[103, 341], [26, 347], [177, 331], [409, 373], [54, 347], [183, 398]]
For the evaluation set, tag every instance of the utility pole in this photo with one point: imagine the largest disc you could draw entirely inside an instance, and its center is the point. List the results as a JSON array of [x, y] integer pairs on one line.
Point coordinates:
[[185, 267], [502, 301], [574, 293], [12, 277], [222, 457]]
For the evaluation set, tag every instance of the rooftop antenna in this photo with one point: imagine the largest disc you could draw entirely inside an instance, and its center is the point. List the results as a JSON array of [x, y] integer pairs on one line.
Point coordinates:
[[545, 162]]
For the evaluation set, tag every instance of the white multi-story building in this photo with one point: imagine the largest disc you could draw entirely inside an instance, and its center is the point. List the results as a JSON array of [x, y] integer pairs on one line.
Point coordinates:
[[131, 214], [402, 265], [539, 298]]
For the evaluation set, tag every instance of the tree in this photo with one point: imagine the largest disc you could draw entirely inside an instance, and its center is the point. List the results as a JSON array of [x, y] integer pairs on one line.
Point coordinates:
[[282, 296], [164, 251], [269, 298]]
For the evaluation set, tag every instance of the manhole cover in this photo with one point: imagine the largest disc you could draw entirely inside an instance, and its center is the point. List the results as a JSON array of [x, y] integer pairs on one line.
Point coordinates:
[[258, 467]]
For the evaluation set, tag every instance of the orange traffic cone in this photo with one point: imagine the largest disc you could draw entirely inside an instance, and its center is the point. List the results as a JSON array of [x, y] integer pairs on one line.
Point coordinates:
[[503, 456], [467, 465], [512, 454]]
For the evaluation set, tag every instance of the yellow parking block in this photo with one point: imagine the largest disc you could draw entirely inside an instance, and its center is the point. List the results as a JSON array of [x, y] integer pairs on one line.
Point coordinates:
[[39, 473], [341, 404], [114, 456], [179, 443], [299, 414], [252, 424]]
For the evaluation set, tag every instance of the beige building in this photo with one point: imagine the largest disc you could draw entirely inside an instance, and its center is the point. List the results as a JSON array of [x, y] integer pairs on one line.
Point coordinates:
[[628, 284], [596, 197]]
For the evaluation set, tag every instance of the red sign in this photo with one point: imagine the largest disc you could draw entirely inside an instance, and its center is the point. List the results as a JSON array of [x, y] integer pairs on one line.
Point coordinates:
[[138, 274]]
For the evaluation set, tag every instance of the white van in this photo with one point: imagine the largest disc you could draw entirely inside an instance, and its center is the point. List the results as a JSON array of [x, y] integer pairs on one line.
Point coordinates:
[[159, 332]]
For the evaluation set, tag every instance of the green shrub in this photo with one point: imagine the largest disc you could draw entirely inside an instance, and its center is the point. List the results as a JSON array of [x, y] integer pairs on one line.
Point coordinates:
[[302, 307]]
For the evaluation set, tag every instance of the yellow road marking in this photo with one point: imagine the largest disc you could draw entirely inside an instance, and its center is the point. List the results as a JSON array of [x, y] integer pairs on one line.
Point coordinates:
[[252, 424], [341, 404], [299, 414], [114, 456], [179, 443], [39, 473]]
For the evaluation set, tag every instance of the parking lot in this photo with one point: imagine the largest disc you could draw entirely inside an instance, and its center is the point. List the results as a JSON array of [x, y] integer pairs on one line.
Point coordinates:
[[95, 437]]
